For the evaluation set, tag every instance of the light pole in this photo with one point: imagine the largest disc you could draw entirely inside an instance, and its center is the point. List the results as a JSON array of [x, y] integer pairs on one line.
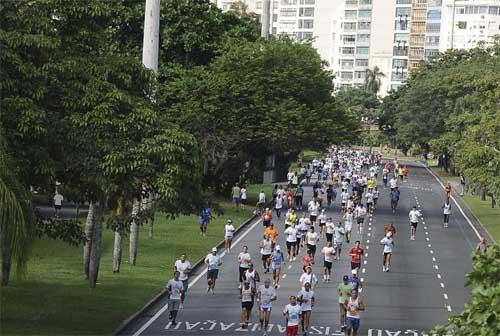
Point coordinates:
[[151, 41], [265, 19], [453, 25]]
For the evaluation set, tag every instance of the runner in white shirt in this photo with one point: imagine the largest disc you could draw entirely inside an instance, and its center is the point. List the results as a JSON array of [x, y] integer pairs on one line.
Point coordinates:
[[291, 241], [348, 217], [265, 296], [328, 253], [413, 215], [183, 266], [360, 216], [244, 259], [322, 222], [266, 249], [393, 183], [247, 294], [330, 227], [291, 314], [312, 239], [344, 196], [228, 235], [388, 243], [306, 299], [308, 277], [338, 239], [174, 289], [369, 201], [213, 262], [313, 207], [302, 230], [446, 212]]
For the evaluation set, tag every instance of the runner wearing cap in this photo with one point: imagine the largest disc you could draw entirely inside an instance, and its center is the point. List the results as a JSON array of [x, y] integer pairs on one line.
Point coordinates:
[[354, 281], [229, 233], [213, 261], [277, 261], [388, 243], [291, 314], [353, 306]]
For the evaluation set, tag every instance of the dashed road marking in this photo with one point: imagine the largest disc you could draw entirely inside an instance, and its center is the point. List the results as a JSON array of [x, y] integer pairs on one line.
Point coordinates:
[[436, 266], [442, 285], [438, 275], [363, 270], [445, 296], [284, 276]]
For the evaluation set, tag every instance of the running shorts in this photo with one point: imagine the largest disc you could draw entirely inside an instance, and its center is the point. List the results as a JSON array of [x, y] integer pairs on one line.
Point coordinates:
[[327, 264], [414, 224], [290, 244], [329, 237], [247, 305], [212, 274], [265, 308], [265, 256], [322, 224], [361, 220], [312, 248], [355, 265], [313, 218], [173, 304], [185, 285], [292, 330], [352, 323]]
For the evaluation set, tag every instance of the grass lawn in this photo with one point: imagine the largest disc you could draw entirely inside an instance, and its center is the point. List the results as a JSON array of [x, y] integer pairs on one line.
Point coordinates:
[[55, 299], [309, 155], [253, 191], [488, 216], [446, 176]]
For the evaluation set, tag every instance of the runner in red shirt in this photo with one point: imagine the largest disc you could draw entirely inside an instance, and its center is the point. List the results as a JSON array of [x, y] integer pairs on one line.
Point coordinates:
[[356, 252], [307, 260]]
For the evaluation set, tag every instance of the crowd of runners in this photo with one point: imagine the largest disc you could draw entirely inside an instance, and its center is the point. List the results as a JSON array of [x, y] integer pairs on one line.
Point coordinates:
[[344, 177]]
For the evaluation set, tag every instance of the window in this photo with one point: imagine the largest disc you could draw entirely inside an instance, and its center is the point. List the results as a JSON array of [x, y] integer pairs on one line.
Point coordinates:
[[429, 53], [349, 26], [304, 35], [399, 63], [364, 13], [400, 51], [306, 24], [350, 14], [307, 2], [351, 2], [347, 51], [346, 75], [493, 10], [434, 14], [462, 25], [288, 2], [403, 11], [401, 25], [361, 62], [360, 74], [347, 64], [275, 17], [403, 2], [399, 76], [362, 50], [349, 39], [364, 38], [365, 2], [364, 25], [400, 37], [432, 40], [460, 10], [287, 24], [434, 3], [434, 27], [306, 11], [288, 12]]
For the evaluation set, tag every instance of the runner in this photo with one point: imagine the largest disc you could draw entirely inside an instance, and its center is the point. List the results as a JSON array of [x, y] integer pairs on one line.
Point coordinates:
[[353, 306], [344, 290], [356, 252], [393, 183], [390, 228], [244, 259], [344, 198], [58, 199], [313, 208], [205, 216], [348, 217], [291, 314], [247, 294], [278, 204], [277, 260], [354, 281], [291, 218], [322, 222], [266, 249], [330, 228], [307, 260], [272, 232], [446, 212], [235, 195], [447, 190], [306, 299], [302, 230], [244, 196], [261, 203], [385, 174], [289, 198], [252, 276], [213, 261], [360, 217], [413, 215], [228, 236], [291, 241], [312, 238], [298, 197], [265, 296], [183, 266], [328, 253], [329, 195], [174, 289], [308, 277], [376, 195], [338, 239], [394, 196], [267, 217], [388, 243], [463, 184], [369, 201]]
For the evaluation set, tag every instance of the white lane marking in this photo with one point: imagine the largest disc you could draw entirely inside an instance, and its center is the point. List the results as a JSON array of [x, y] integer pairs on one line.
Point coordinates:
[[427, 238], [448, 307], [362, 279], [284, 276], [456, 204], [370, 228], [436, 266], [442, 285], [426, 232], [425, 227], [366, 254], [429, 245], [364, 262], [438, 275], [191, 283], [369, 234], [433, 259], [368, 241], [445, 296], [367, 247], [363, 270], [289, 266], [431, 251]]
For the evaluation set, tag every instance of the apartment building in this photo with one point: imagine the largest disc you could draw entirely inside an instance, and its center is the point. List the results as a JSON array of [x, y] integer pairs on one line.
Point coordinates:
[[417, 33], [464, 23], [432, 28]]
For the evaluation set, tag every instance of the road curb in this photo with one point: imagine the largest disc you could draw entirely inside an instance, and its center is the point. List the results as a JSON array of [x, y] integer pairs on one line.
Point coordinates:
[[162, 294]]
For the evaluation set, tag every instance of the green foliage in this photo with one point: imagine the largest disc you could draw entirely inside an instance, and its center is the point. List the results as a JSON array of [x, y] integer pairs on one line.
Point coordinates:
[[358, 102], [256, 99], [481, 316], [372, 80], [67, 230]]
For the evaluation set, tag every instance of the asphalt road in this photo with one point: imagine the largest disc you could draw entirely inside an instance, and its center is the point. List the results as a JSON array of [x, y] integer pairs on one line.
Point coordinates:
[[426, 282]]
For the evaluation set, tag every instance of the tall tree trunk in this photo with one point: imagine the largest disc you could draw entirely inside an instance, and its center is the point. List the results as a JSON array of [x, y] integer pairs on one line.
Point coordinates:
[[483, 195], [95, 248], [89, 229], [134, 233], [6, 263], [150, 228], [147, 203], [117, 252]]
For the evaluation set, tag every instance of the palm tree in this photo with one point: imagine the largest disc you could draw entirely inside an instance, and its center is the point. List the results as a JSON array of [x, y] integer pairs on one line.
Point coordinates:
[[16, 218], [372, 80]]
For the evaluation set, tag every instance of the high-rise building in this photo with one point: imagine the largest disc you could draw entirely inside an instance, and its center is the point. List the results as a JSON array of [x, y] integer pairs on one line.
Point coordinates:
[[432, 28], [417, 33]]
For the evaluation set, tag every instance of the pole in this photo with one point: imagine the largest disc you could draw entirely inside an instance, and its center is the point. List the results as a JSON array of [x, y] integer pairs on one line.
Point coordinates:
[[151, 39], [453, 26], [265, 19]]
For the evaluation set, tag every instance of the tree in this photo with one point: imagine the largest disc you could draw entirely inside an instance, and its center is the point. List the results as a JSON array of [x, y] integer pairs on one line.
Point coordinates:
[[372, 80], [480, 316], [359, 102]]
